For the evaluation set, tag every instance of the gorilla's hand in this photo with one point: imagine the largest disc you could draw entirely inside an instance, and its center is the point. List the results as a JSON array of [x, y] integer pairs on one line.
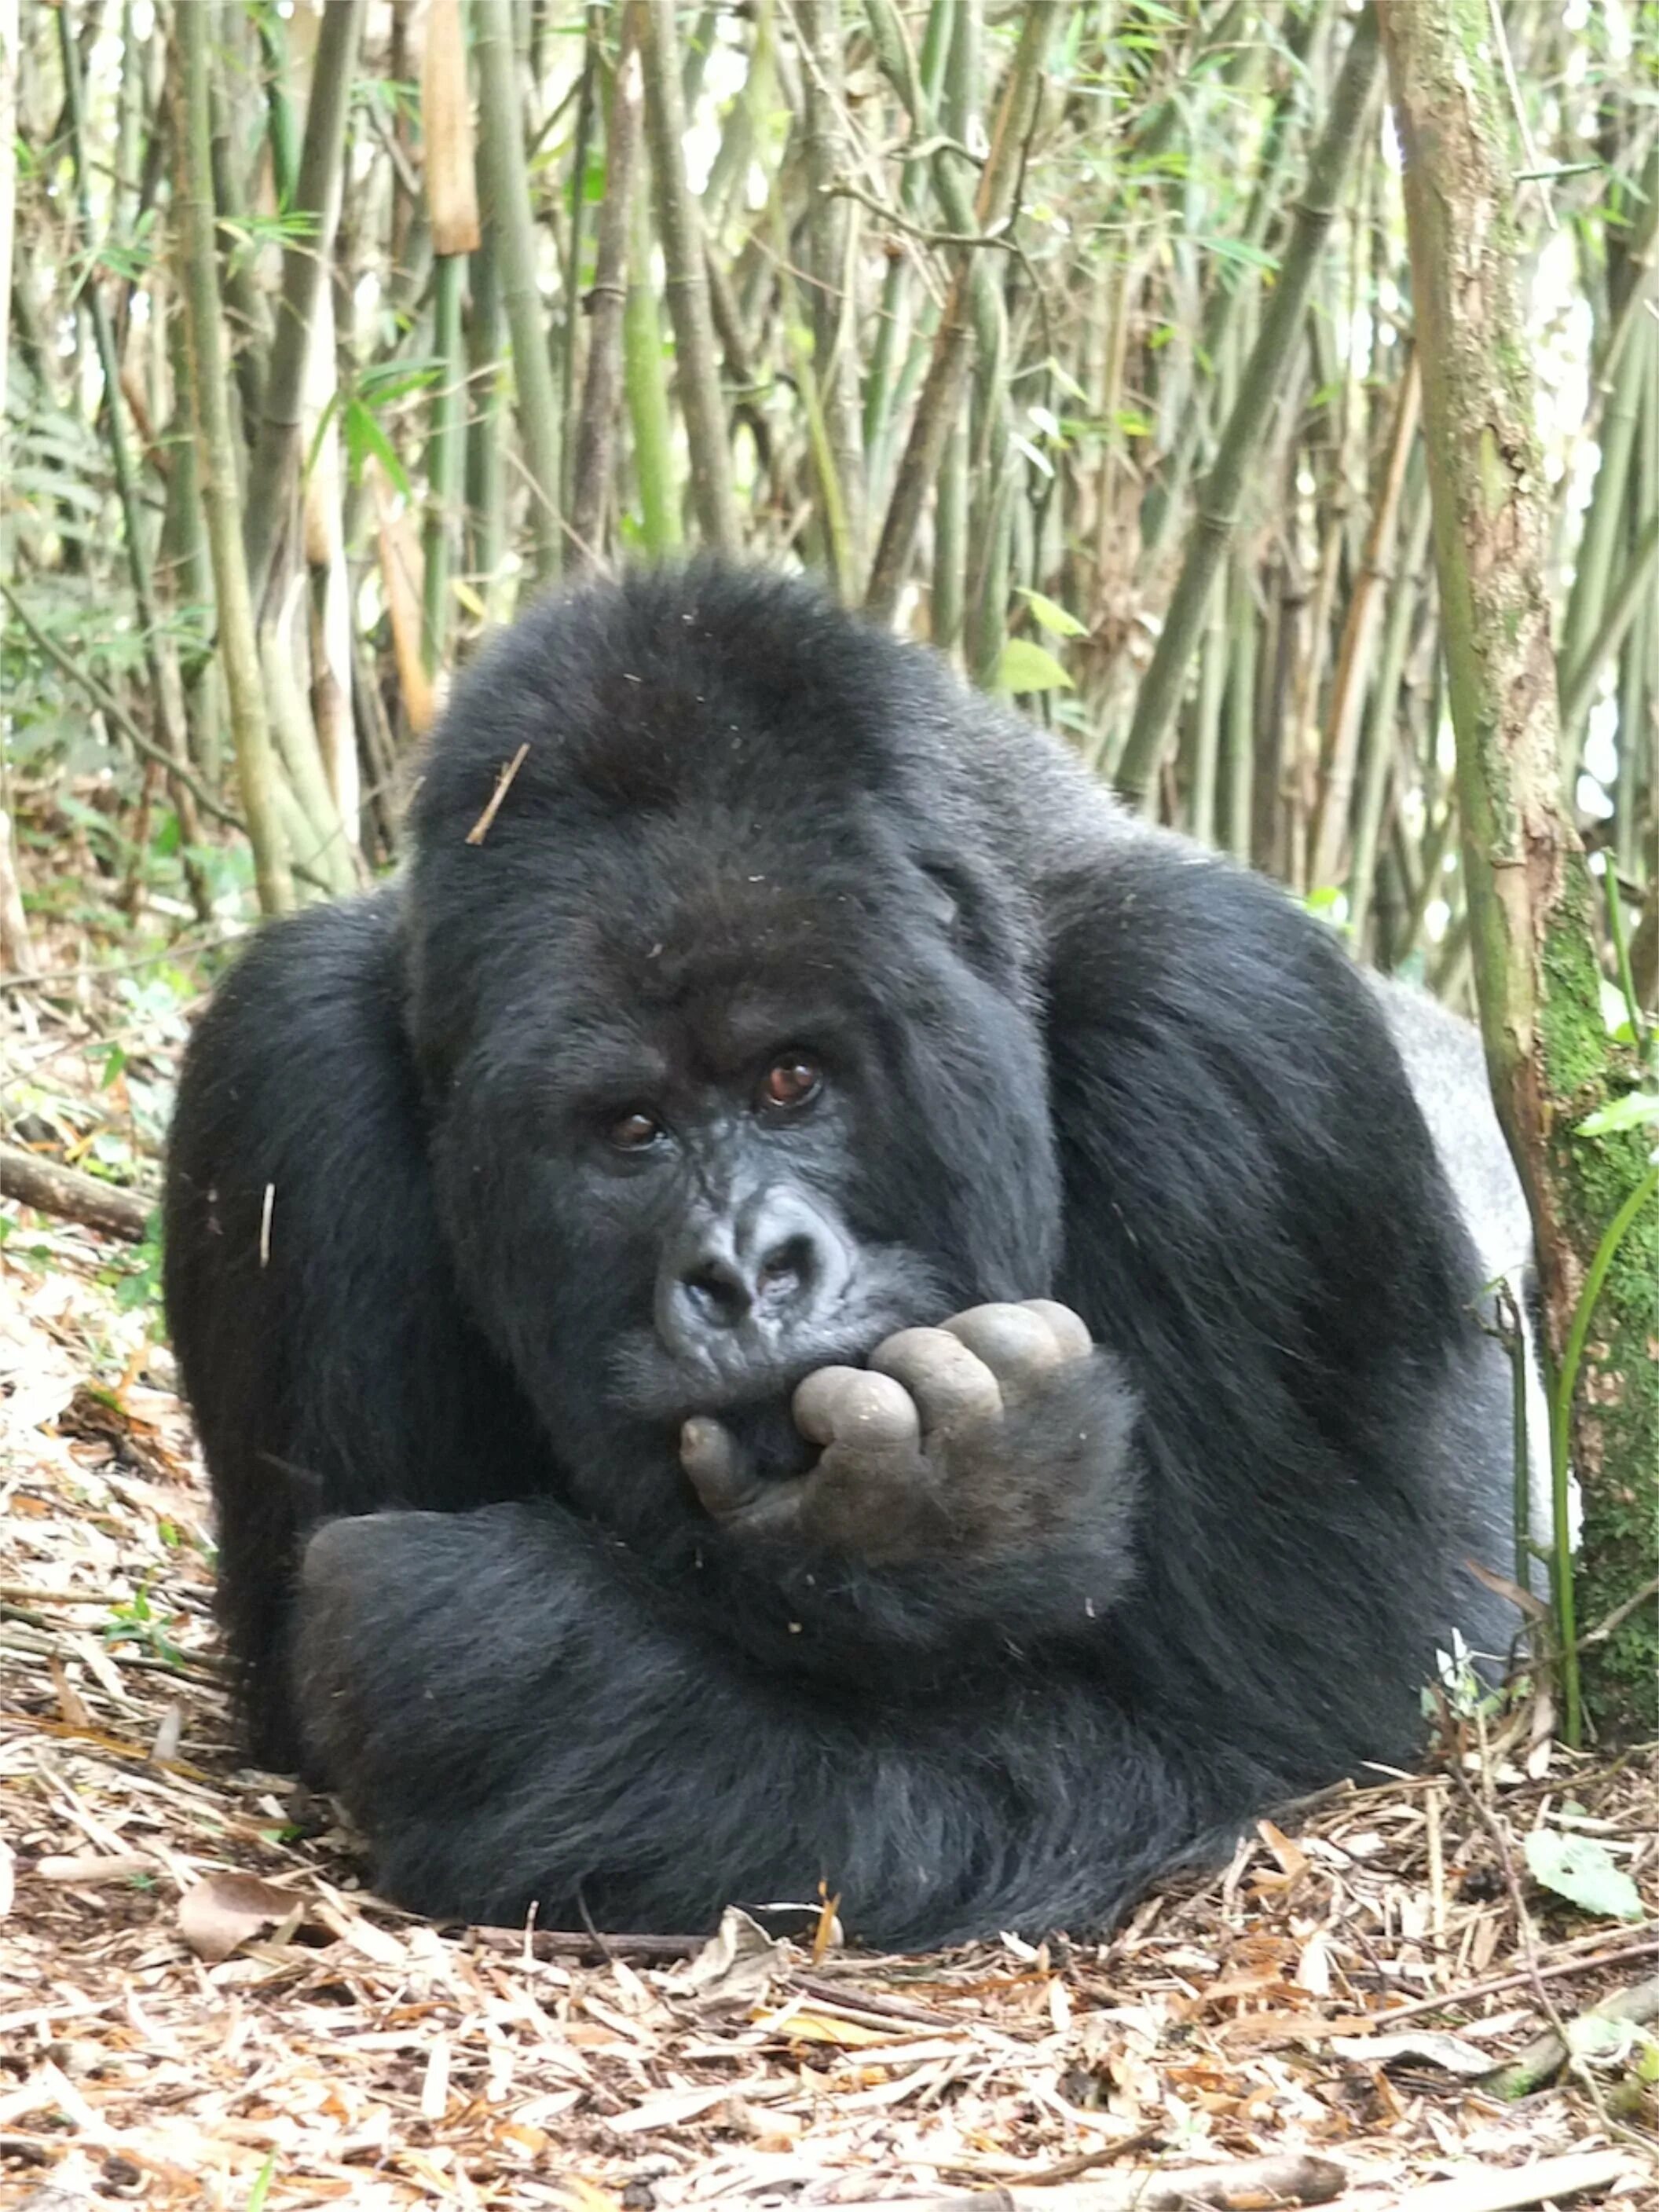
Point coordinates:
[[1004, 1432]]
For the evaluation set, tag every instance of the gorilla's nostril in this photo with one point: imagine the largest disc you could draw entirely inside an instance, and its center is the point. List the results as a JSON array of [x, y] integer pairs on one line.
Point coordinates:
[[719, 1294], [788, 1267]]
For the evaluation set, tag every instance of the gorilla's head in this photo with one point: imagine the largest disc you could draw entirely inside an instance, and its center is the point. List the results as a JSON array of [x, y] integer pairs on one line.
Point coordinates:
[[727, 1021]]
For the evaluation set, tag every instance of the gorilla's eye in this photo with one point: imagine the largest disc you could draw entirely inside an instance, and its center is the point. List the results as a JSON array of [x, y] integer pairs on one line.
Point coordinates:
[[634, 1132], [791, 1081]]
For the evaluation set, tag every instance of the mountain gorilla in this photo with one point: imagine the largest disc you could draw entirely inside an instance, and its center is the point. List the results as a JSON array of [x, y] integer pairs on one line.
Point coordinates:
[[803, 1301]]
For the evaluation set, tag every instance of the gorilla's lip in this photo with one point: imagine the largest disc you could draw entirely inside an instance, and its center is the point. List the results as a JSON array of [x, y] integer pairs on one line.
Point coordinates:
[[655, 1384]]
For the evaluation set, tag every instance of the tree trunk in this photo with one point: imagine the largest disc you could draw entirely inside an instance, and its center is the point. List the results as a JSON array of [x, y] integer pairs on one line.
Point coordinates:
[[1527, 887]]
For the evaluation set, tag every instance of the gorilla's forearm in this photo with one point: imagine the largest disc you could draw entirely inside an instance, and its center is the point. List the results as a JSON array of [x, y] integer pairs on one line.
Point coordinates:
[[594, 1756]]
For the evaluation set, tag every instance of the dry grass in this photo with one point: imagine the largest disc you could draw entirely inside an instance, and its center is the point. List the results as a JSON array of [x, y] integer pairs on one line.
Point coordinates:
[[342, 2053]]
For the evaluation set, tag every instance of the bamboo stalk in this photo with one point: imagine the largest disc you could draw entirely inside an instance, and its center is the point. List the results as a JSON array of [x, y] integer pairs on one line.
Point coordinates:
[[452, 212], [506, 194], [647, 387], [274, 470], [833, 236], [707, 435], [1379, 749], [1360, 630], [238, 647], [596, 426]]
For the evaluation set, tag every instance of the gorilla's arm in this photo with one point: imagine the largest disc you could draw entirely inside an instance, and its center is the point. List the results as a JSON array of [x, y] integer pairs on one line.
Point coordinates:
[[325, 1354], [1258, 1227], [517, 1713]]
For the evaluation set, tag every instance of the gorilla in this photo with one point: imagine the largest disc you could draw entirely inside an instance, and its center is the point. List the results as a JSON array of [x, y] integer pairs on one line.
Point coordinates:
[[802, 1301]]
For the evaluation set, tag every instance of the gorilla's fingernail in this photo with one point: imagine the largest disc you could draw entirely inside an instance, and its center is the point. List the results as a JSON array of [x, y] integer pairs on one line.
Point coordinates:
[[709, 1457]]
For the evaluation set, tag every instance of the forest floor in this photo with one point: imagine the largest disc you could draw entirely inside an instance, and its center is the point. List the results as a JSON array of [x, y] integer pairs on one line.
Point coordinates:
[[200, 2004]]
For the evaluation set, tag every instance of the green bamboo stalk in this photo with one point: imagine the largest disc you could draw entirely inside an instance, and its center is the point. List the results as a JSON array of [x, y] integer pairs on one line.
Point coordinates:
[[587, 107], [1378, 744], [186, 566], [595, 436], [505, 189], [445, 454], [245, 299], [274, 468], [1638, 688], [286, 157], [646, 386], [1361, 630], [950, 540], [832, 237], [486, 476], [453, 210], [707, 433], [1242, 679], [1206, 713], [1624, 378], [1281, 326], [1631, 597], [238, 651]]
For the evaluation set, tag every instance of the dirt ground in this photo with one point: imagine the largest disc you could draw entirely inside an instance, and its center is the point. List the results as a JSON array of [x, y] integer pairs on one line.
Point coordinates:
[[200, 2004]]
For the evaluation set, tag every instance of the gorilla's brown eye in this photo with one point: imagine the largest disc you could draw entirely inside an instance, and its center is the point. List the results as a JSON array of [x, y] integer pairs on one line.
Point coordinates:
[[790, 1081], [634, 1133]]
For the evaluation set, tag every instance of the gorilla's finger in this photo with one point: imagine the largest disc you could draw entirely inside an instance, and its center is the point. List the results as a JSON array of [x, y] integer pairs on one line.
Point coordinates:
[[848, 1405], [709, 1453], [1070, 1330], [1018, 1345], [941, 1374]]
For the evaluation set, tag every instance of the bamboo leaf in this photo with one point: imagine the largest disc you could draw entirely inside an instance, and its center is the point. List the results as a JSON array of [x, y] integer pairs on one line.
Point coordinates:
[[1027, 667]]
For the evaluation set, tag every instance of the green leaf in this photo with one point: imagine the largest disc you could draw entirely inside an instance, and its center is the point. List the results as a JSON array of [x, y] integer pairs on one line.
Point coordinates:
[[1027, 667], [1052, 617], [1582, 1869], [1634, 1111], [364, 436]]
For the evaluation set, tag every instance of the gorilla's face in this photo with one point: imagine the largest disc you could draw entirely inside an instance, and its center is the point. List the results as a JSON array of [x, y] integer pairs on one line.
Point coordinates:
[[725, 1114]]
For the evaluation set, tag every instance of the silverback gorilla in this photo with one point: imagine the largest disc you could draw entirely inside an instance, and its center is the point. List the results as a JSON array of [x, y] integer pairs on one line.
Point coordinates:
[[806, 1302]]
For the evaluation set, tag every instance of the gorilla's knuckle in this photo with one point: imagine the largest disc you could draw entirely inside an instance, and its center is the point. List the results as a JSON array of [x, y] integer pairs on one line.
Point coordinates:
[[947, 1381], [853, 1406]]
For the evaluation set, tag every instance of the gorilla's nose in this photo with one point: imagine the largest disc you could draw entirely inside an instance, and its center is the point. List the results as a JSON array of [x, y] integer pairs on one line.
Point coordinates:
[[772, 1262]]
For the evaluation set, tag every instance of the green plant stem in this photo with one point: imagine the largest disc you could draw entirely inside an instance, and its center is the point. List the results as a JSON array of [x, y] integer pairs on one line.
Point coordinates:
[[505, 189], [238, 647], [274, 468], [707, 436]]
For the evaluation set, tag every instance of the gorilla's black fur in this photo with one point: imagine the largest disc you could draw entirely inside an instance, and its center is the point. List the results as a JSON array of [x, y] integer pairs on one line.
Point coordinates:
[[438, 1155]]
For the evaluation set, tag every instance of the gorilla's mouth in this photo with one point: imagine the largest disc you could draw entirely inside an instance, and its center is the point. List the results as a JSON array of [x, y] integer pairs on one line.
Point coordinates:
[[748, 1378], [767, 1440]]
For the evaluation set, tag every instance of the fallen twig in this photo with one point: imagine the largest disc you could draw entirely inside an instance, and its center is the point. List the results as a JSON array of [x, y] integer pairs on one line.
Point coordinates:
[[577, 1947], [1292, 2177], [72, 1196], [1497, 1986], [1546, 2055]]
